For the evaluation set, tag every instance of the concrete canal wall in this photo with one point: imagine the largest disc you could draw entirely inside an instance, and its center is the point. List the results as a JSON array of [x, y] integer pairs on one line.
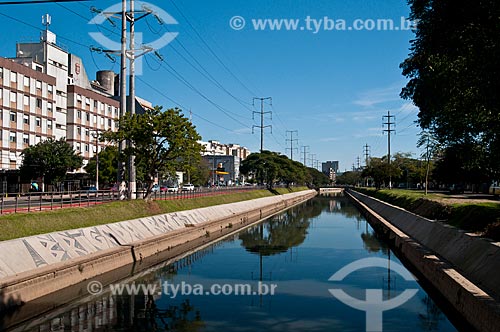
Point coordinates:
[[463, 267], [35, 266]]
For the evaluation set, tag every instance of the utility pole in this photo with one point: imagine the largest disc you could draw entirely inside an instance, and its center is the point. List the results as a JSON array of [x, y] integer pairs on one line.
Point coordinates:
[[358, 162], [262, 120], [123, 84], [291, 140], [305, 153], [131, 162], [132, 56], [366, 152], [389, 123]]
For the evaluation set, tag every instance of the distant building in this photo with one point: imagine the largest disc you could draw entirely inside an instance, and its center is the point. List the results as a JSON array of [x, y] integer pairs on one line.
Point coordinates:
[[330, 169], [217, 148], [220, 165]]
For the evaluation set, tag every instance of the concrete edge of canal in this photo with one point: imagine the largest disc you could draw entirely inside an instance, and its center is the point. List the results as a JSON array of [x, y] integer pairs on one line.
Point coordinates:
[[129, 242], [462, 267]]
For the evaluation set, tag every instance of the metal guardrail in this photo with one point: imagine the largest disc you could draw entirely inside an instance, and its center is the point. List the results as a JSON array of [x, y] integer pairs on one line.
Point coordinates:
[[41, 201]]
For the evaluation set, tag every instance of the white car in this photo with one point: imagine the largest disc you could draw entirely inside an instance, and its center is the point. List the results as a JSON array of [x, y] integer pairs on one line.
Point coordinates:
[[188, 187], [172, 189]]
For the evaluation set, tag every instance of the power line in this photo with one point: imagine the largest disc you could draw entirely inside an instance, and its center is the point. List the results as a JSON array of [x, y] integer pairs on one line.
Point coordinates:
[[29, 2], [210, 49]]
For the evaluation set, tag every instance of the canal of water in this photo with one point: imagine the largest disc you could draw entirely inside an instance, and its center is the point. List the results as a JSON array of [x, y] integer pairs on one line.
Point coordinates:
[[290, 258]]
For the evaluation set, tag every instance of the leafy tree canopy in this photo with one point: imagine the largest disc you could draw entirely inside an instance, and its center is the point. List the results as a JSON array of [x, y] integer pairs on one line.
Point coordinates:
[[453, 72], [162, 141], [50, 160]]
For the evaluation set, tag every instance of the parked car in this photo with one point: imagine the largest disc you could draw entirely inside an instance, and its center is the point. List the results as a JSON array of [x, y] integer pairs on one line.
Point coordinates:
[[188, 187], [173, 188]]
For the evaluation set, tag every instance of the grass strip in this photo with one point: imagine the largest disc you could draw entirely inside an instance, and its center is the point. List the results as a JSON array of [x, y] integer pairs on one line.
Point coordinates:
[[481, 217], [18, 225]]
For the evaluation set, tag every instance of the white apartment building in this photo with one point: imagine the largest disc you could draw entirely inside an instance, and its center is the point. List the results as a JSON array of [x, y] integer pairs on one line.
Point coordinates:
[[216, 148], [27, 99], [82, 108]]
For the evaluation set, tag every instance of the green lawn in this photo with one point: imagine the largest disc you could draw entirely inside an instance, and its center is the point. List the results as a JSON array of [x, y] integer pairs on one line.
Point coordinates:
[[26, 224], [469, 214]]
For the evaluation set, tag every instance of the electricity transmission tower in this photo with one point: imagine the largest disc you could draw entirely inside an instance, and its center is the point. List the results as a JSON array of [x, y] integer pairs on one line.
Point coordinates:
[[292, 140], [261, 113], [390, 122]]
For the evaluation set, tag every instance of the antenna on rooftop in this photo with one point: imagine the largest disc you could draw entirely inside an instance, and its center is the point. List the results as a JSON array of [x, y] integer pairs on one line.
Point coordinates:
[[46, 20]]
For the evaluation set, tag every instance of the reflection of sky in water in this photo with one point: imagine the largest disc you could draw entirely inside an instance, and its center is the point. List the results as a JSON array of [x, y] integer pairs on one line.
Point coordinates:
[[302, 249], [302, 301]]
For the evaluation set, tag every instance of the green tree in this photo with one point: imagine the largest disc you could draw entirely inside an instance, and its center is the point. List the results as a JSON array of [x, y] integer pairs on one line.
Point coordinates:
[[428, 142], [350, 178], [270, 167], [379, 170], [162, 141], [50, 159], [108, 165], [317, 178], [452, 70]]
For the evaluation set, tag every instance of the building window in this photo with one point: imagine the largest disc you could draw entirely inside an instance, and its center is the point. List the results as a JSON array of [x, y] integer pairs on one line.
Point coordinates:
[[39, 85], [79, 114], [1, 72], [86, 147], [26, 81], [26, 100], [109, 122], [95, 119], [49, 124], [87, 101], [102, 121], [109, 110], [49, 107], [1, 93], [13, 97], [38, 122], [79, 97], [87, 132], [95, 104], [50, 88], [79, 130], [87, 116], [12, 156], [13, 77], [38, 139], [13, 116], [78, 148], [26, 139], [38, 103], [26, 119], [12, 137], [58, 126]]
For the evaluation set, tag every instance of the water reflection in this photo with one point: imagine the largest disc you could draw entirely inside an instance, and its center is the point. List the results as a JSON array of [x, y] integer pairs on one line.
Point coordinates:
[[323, 235]]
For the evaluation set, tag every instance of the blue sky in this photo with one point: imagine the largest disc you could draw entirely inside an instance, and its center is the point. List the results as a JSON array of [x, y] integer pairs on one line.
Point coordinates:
[[331, 86]]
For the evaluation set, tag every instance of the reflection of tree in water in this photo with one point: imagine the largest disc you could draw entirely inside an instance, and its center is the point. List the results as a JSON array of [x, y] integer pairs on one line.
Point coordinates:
[[281, 232], [372, 243], [433, 315], [182, 317]]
